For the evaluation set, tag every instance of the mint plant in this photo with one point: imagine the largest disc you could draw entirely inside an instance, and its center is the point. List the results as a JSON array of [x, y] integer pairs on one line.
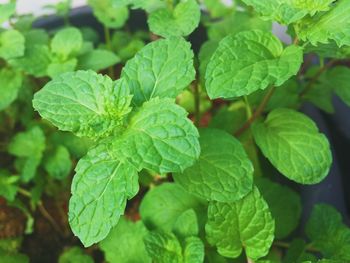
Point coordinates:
[[154, 152]]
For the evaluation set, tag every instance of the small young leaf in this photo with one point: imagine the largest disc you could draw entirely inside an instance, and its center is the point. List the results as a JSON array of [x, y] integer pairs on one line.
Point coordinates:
[[57, 68], [249, 61], [286, 12], [245, 223], [223, 171], [100, 189], [11, 44], [160, 138], [163, 247], [149, 6], [332, 25], [186, 224], [28, 146], [8, 185], [194, 250], [66, 43], [284, 204], [180, 21], [84, 102], [97, 60], [58, 165], [110, 13], [73, 255], [125, 243], [10, 83], [161, 69], [328, 233], [162, 206], [35, 60], [293, 144]]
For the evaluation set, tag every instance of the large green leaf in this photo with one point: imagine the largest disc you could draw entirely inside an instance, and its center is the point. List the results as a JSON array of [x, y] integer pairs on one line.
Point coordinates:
[[161, 69], [288, 11], [125, 243], [328, 233], [338, 78], [84, 102], [186, 224], [332, 25], [11, 44], [180, 21], [160, 138], [284, 204], [249, 61], [162, 206], [293, 144], [246, 223], [223, 171], [10, 83], [100, 189]]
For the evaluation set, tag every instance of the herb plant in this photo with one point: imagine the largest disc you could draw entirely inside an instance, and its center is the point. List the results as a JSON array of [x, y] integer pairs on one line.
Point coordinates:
[[178, 156]]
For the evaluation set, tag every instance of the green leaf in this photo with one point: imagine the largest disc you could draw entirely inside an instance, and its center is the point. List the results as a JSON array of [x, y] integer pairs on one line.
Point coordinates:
[[13, 257], [194, 250], [97, 60], [163, 68], [8, 185], [290, 11], [235, 23], [126, 45], [296, 252], [6, 11], [10, 83], [28, 146], [329, 50], [58, 164], [334, 239], [223, 171], [84, 102], [73, 255], [217, 8], [339, 78], [149, 6], [284, 204], [162, 206], [332, 25], [321, 96], [35, 60], [292, 143], [100, 189], [57, 68], [125, 243], [160, 138], [186, 224], [245, 223], [249, 61], [163, 247], [67, 43], [180, 21], [11, 44], [111, 13]]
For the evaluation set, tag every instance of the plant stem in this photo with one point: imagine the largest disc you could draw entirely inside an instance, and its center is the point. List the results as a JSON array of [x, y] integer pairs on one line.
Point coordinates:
[[296, 41], [315, 78], [249, 260], [43, 211], [257, 112], [109, 46], [197, 114], [248, 108]]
